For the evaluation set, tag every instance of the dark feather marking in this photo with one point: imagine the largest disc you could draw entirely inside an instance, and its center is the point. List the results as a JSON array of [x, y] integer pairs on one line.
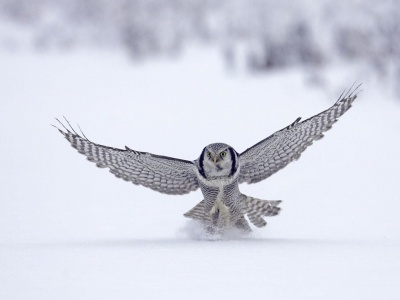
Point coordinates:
[[234, 168], [201, 163]]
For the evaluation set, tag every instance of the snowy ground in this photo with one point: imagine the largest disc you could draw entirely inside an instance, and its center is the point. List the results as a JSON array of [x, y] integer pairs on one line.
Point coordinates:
[[71, 231]]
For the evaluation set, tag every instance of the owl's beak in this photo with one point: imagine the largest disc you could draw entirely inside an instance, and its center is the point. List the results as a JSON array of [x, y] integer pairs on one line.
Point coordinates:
[[215, 159]]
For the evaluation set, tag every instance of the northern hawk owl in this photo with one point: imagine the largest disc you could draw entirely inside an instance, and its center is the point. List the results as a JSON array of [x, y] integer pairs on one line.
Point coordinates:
[[218, 171]]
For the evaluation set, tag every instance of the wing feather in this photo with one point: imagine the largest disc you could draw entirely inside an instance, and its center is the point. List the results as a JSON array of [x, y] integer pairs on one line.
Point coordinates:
[[278, 150], [160, 173]]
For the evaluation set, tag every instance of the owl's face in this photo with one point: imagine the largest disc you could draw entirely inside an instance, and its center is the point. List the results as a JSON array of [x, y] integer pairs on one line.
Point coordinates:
[[218, 160]]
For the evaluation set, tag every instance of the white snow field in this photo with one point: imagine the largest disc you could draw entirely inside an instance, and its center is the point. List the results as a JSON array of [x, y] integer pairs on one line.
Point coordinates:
[[69, 230]]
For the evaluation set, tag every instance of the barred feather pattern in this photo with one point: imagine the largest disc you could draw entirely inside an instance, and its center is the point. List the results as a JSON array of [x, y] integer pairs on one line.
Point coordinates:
[[160, 173], [199, 213], [228, 194], [257, 208], [223, 204], [278, 150]]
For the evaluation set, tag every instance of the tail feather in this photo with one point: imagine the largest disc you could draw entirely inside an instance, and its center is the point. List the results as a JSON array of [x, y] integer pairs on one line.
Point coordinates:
[[257, 221], [257, 208], [198, 212]]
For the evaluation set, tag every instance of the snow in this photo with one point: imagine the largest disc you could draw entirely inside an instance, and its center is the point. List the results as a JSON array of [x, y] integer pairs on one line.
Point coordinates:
[[69, 230]]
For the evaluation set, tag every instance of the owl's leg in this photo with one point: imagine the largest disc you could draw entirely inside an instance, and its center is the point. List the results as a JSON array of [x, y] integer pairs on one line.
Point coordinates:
[[216, 225], [243, 225], [212, 230]]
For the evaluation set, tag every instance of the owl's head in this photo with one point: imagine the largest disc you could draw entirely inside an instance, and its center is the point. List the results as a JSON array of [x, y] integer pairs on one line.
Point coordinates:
[[218, 160]]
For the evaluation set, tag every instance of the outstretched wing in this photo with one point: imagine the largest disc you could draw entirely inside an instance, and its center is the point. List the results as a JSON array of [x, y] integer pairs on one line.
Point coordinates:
[[278, 150], [160, 173]]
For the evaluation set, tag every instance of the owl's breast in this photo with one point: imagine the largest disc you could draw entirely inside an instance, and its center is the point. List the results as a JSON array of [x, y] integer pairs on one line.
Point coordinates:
[[220, 194]]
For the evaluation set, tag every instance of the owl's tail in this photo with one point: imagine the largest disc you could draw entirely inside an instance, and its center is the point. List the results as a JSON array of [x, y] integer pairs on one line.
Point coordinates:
[[198, 213], [256, 209]]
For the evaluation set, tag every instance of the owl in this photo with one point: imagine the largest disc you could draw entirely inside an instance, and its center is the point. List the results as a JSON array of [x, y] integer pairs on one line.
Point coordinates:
[[218, 171]]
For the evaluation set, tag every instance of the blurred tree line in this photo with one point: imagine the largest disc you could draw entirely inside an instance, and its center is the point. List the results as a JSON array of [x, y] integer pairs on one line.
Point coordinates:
[[259, 34]]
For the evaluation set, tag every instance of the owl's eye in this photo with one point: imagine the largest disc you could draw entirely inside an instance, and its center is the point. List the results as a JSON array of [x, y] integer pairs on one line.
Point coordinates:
[[208, 154], [223, 154]]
